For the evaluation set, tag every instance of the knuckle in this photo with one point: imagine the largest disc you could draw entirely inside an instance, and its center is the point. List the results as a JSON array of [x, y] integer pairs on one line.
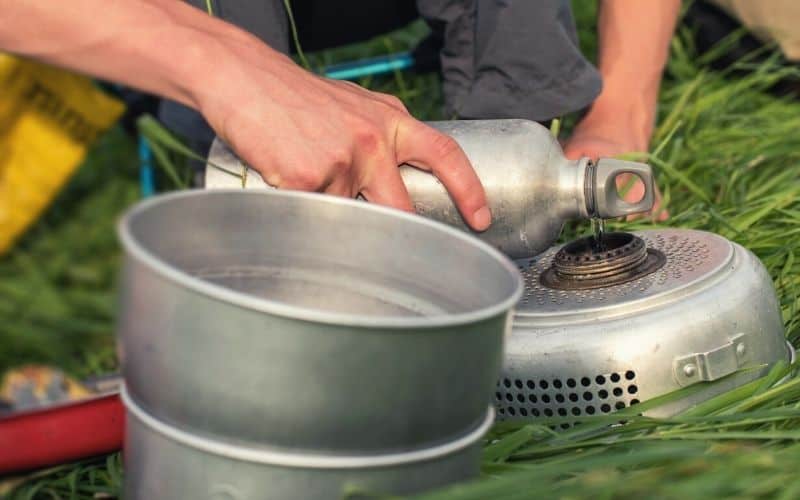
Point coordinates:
[[395, 101], [367, 140], [272, 178], [444, 146], [339, 159], [306, 178]]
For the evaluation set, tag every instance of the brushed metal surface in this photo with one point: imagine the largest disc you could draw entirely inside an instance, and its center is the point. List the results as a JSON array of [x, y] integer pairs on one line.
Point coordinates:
[[308, 321], [270, 455], [582, 264], [693, 257], [590, 352], [531, 187], [159, 464]]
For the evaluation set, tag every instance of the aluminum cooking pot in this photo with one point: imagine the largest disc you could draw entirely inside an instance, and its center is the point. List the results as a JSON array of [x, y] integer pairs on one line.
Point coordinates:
[[299, 332]]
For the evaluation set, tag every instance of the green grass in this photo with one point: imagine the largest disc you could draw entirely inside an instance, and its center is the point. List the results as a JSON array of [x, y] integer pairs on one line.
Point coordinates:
[[57, 285], [727, 154]]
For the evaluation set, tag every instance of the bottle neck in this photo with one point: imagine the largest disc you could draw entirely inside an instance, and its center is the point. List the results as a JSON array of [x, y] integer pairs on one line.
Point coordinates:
[[576, 194]]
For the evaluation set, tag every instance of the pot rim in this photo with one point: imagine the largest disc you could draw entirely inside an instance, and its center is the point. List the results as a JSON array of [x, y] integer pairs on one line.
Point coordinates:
[[133, 248], [305, 459]]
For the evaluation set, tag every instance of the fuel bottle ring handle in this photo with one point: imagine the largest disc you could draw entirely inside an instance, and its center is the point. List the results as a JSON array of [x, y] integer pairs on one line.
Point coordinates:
[[603, 199]]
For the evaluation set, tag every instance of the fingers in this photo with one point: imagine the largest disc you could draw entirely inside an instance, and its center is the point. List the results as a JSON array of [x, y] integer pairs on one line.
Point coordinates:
[[572, 152], [255, 156], [376, 170], [660, 212], [386, 187], [633, 189], [297, 174], [424, 147]]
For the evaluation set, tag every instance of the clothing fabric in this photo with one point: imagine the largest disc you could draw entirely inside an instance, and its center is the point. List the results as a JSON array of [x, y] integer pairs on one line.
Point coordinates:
[[498, 58], [769, 20], [527, 63]]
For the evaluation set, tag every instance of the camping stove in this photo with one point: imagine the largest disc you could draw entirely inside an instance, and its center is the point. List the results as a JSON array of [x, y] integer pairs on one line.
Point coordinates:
[[601, 329]]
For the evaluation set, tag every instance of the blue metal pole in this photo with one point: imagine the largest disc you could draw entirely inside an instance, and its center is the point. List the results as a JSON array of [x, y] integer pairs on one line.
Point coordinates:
[[146, 174], [370, 67]]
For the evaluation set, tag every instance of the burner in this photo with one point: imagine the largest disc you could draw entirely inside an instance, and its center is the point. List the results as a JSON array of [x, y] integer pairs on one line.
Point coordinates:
[[584, 352], [581, 265]]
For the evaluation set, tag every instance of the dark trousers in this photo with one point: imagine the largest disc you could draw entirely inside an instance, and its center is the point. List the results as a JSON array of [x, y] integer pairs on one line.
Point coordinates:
[[498, 58]]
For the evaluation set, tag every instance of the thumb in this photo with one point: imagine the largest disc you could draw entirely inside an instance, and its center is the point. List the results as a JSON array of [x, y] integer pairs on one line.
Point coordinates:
[[428, 149]]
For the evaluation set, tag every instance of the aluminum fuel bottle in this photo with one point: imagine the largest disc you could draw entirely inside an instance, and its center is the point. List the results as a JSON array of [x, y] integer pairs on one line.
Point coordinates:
[[531, 187]]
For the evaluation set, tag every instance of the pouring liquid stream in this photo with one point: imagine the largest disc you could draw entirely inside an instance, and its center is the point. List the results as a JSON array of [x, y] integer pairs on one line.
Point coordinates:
[[599, 230]]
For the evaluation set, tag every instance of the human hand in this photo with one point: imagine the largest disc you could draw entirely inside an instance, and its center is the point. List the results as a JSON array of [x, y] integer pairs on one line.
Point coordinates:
[[305, 132], [299, 131], [633, 47], [612, 137]]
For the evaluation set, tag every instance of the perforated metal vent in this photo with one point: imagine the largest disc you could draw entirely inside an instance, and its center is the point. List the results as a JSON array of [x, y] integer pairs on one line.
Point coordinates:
[[564, 397], [690, 256], [577, 353]]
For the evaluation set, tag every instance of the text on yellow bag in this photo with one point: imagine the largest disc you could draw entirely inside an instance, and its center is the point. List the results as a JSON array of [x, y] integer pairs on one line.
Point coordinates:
[[49, 118]]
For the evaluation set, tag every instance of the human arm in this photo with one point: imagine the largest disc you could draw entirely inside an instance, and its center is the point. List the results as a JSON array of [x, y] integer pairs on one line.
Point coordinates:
[[300, 131], [634, 38]]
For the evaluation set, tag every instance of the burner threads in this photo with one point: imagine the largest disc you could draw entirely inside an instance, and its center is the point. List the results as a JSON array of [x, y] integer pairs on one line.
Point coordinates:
[[624, 257]]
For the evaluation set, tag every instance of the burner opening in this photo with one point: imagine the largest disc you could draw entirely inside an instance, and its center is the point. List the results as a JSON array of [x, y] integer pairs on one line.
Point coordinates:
[[586, 263]]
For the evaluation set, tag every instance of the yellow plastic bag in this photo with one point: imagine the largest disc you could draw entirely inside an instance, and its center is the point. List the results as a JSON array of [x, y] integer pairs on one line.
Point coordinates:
[[48, 120]]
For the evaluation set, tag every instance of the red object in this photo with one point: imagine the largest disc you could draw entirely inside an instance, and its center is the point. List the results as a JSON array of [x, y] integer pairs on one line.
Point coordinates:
[[61, 433]]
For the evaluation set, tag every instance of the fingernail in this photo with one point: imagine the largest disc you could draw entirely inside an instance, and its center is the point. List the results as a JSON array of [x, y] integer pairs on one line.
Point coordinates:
[[482, 218]]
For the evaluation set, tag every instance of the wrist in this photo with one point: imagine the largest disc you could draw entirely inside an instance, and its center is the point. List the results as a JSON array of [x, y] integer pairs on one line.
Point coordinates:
[[197, 48], [200, 66], [174, 68], [630, 108], [218, 69]]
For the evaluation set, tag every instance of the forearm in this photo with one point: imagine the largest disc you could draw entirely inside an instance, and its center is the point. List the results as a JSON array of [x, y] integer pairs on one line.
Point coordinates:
[[159, 46], [634, 37]]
